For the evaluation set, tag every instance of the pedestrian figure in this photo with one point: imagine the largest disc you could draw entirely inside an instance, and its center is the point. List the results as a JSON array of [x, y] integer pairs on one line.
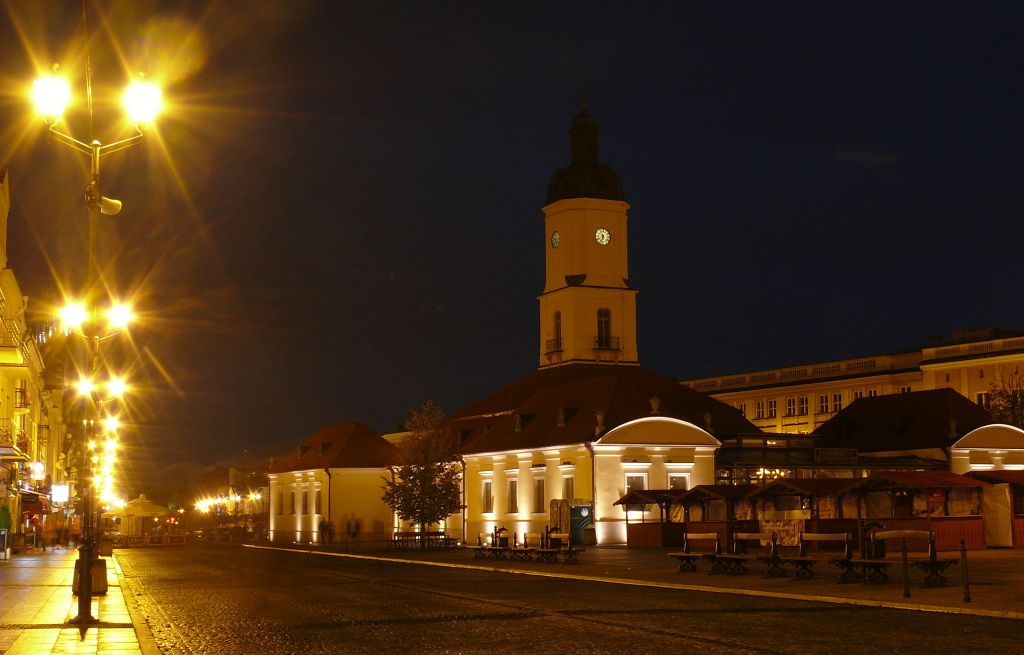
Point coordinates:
[[356, 529], [325, 534]]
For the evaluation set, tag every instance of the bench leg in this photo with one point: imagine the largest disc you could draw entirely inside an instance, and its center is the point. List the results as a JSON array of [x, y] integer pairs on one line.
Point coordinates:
[[804, 571], [687, 566], [775, 570], [717, 567]]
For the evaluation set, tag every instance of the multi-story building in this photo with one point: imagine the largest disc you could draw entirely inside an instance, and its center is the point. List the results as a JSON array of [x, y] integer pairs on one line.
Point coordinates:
[[30, 416], [798, 399]]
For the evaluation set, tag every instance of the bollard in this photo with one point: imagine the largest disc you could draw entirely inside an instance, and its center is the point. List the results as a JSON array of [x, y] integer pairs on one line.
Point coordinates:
[[963, 565], [906, 570]]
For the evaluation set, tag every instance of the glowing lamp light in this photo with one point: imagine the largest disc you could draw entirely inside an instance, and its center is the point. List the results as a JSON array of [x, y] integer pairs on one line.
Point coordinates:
[[117, 387], [51, 95], [111, 444], [142, 102], [111, 424], [85, 386], [72, 316], [120, 316]]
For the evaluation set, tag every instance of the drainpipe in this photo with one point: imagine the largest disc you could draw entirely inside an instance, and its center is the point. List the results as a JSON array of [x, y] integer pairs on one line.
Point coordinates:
[[462, 463], [329, 519], [593, 481]]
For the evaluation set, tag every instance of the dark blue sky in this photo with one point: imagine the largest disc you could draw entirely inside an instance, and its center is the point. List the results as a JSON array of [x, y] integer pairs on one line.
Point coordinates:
[[362, 231]]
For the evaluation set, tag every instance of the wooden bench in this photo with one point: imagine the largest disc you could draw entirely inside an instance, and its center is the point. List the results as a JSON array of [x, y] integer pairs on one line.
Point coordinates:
[[735, 562], [688, 559], [557, 544], [803, 562], [873, 570]]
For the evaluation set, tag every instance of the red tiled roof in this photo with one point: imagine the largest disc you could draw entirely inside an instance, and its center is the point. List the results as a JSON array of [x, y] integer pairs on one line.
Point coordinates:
[[349, 445], [623, 393], [904, 421]]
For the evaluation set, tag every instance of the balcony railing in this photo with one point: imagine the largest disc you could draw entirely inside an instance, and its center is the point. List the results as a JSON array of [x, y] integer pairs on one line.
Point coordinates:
[[606, 343], [21, 398], [552, 346]]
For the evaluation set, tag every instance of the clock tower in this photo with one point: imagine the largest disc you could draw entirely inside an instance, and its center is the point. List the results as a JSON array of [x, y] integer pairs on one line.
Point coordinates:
[[587, 310]]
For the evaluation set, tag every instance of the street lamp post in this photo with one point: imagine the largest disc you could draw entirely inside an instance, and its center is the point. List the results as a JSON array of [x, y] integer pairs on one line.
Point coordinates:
[[142, 102]]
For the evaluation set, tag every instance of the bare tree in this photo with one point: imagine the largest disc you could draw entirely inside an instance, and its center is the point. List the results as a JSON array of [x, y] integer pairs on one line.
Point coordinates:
[[425, 488], [1006, 398]]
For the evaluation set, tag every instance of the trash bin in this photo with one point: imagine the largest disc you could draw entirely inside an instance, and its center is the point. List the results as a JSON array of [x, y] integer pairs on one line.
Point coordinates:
[[106, 547]]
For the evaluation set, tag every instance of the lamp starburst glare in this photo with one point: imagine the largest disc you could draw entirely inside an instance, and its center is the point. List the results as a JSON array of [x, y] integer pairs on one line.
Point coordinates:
[[51, 95], [142, 102], [120, 316]]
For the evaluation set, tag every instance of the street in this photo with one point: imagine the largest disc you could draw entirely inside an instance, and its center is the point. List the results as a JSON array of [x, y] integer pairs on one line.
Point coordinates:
[[229, 599]]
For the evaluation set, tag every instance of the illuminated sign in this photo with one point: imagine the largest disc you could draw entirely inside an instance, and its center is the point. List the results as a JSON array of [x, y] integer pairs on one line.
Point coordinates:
[[59, 493]]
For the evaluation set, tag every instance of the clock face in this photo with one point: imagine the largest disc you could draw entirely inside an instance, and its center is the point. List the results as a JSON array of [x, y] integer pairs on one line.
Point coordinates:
[[555, 239], [603, 236]]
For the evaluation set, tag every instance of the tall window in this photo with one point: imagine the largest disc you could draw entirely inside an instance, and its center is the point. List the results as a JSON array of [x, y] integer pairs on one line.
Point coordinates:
[[742, 407], [858, 395], [801, 405], [567, 488], [316, 503], [823, 403], [291, 502], [604, 328], [772, 409], [538, 495], [837, 401], [759, 409], [790, 406], [872, 393], [280, 502], [513, 496], [305, 502], [678, 480], [558, 330], [487, 501], [636, 481]]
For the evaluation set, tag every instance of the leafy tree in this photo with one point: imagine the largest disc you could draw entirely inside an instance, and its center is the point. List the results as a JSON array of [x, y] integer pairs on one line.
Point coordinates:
[[5, 517], [1006, 399], [425, 488]]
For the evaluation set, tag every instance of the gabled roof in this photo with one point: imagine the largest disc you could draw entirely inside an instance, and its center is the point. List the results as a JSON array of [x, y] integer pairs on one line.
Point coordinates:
[[581, 391], [810, 487], [349, 445], [884, 480], [720, 492], [1013, 478], [905, 421]]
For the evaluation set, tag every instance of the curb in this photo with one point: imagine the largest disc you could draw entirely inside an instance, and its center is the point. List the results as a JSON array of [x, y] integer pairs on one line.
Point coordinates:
[[835, 600], [147, 644]]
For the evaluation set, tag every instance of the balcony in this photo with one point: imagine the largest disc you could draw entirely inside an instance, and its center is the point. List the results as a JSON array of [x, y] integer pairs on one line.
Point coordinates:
[[605, 342], [552, 346], [13, 442], [21, 398]]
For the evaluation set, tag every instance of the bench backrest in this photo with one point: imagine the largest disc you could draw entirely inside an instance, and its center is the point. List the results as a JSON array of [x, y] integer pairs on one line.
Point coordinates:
[[927, 535], [531, 539], [701, 536], [558, 540], [752, 536], [826, 536]]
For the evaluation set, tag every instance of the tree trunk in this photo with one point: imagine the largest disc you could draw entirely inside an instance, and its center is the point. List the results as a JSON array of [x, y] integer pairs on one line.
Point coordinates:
[[423, 535]]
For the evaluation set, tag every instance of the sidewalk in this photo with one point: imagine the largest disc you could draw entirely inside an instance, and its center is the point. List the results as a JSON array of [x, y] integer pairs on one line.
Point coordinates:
[[36, 604], [996, 578]]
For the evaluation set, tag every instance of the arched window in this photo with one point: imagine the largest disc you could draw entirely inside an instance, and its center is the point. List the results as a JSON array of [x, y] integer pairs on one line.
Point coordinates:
[[604, 328]]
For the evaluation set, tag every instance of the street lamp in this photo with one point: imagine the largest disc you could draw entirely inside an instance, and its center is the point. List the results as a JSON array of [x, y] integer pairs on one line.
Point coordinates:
[[142, 102]]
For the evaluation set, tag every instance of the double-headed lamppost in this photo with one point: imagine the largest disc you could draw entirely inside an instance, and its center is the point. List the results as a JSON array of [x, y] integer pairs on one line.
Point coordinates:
[[142, 103]]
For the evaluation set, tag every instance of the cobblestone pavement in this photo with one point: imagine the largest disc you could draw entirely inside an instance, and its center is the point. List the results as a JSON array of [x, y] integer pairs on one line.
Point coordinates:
[[228, 599]]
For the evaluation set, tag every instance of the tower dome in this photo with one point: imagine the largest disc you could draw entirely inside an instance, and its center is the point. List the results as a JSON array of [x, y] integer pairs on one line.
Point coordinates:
[[585, 176]]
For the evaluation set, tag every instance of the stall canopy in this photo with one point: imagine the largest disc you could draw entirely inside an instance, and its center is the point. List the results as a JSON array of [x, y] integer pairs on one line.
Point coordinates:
[[134, 511], [663, 498]]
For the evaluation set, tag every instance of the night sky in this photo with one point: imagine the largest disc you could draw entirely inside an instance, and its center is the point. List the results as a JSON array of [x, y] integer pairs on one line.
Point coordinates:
[[339, 216]]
